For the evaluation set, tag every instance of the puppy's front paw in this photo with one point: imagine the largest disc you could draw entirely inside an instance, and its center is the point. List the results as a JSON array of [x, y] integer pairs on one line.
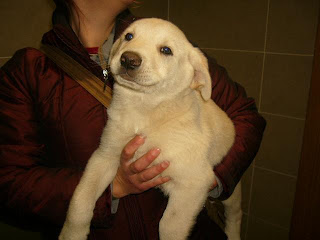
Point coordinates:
[[72, 232]]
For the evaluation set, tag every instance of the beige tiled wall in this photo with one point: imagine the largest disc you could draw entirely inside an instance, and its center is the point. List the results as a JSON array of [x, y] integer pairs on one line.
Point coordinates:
[[22, 24], [266, 45]]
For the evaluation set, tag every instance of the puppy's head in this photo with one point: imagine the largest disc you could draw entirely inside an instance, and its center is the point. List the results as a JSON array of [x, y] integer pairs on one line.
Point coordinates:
[[153, 55]]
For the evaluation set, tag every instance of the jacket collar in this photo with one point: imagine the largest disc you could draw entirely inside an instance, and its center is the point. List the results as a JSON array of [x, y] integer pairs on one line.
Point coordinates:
[[63, 37]]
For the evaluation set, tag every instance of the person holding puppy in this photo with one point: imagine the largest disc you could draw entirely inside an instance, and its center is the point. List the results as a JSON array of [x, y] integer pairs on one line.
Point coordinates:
[[50, 126]]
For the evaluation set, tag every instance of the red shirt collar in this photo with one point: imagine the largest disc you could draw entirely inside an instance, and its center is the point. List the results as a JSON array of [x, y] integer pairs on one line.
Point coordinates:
[[93, 50]]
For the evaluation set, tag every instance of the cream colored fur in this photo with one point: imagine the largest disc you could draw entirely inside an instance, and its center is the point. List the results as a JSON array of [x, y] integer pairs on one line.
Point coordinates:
[[167, 99]]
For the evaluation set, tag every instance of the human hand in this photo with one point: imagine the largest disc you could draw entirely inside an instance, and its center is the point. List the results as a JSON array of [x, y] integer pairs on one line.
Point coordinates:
[[136, 177], [215, 183]]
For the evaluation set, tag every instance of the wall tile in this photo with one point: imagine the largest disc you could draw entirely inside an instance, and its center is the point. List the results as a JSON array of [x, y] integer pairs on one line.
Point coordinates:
[[272, 197], [292, 26], [151, 8], [281, 144], [3, 61], [258, 229], [222, 24], [243, 67], [286, 84], [22, 23]]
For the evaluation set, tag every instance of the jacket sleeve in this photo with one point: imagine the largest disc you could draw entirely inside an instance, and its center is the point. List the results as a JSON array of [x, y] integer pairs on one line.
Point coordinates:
[[28, 188], [249, 127]]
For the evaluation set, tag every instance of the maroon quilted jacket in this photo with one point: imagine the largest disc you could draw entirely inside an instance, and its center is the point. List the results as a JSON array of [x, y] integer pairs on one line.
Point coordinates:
[[50, 125]]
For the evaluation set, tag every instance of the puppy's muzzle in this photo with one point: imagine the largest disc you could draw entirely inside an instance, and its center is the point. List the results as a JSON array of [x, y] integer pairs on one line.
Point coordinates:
[[130, 60]]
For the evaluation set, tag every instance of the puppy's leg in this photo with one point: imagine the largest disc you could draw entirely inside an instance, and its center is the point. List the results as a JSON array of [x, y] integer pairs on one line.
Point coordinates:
[[233, 214], [184, 205], [99, 172]]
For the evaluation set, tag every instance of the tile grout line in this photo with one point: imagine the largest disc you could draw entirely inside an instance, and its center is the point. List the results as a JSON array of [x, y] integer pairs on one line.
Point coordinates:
[[168, 10], [231, 50], [260, 95], [276, 172], [255, 51], [284, 116], [267, 222], [291, 54], [272, 224], [261, 82], [264, 56]]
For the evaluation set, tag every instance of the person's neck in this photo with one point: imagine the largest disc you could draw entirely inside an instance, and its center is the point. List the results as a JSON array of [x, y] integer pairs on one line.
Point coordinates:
[[93, 34], [93, 24]]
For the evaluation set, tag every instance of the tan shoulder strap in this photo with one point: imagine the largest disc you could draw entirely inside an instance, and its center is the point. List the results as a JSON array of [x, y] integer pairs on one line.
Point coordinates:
[[80, 74]]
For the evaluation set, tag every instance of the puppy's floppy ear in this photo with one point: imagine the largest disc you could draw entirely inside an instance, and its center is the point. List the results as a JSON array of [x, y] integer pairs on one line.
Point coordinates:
[[201, 79]]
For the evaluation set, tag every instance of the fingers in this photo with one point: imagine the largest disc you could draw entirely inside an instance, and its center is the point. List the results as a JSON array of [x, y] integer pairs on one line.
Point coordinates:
[[137, 176], [155, 182], [131, 147], [153, 171], [148, 178], [142, 163]]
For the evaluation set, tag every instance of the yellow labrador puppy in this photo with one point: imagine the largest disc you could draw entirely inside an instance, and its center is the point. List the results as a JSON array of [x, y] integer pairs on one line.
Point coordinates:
[[162, 91]]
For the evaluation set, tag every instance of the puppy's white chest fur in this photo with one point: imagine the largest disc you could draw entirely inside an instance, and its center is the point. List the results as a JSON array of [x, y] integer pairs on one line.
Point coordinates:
[[180, 127]]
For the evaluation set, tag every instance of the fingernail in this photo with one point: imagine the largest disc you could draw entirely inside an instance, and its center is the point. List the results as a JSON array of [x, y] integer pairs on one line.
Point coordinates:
[[155, 152], [166, 179], [142, 136], [165, 164], [140, 139]]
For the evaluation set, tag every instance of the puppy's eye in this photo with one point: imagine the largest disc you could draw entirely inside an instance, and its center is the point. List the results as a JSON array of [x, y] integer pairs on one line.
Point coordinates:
[[166, 51], [129, 36]]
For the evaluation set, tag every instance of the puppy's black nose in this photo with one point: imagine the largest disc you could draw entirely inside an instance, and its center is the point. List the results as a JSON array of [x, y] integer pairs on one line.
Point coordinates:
[[130, 60]]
